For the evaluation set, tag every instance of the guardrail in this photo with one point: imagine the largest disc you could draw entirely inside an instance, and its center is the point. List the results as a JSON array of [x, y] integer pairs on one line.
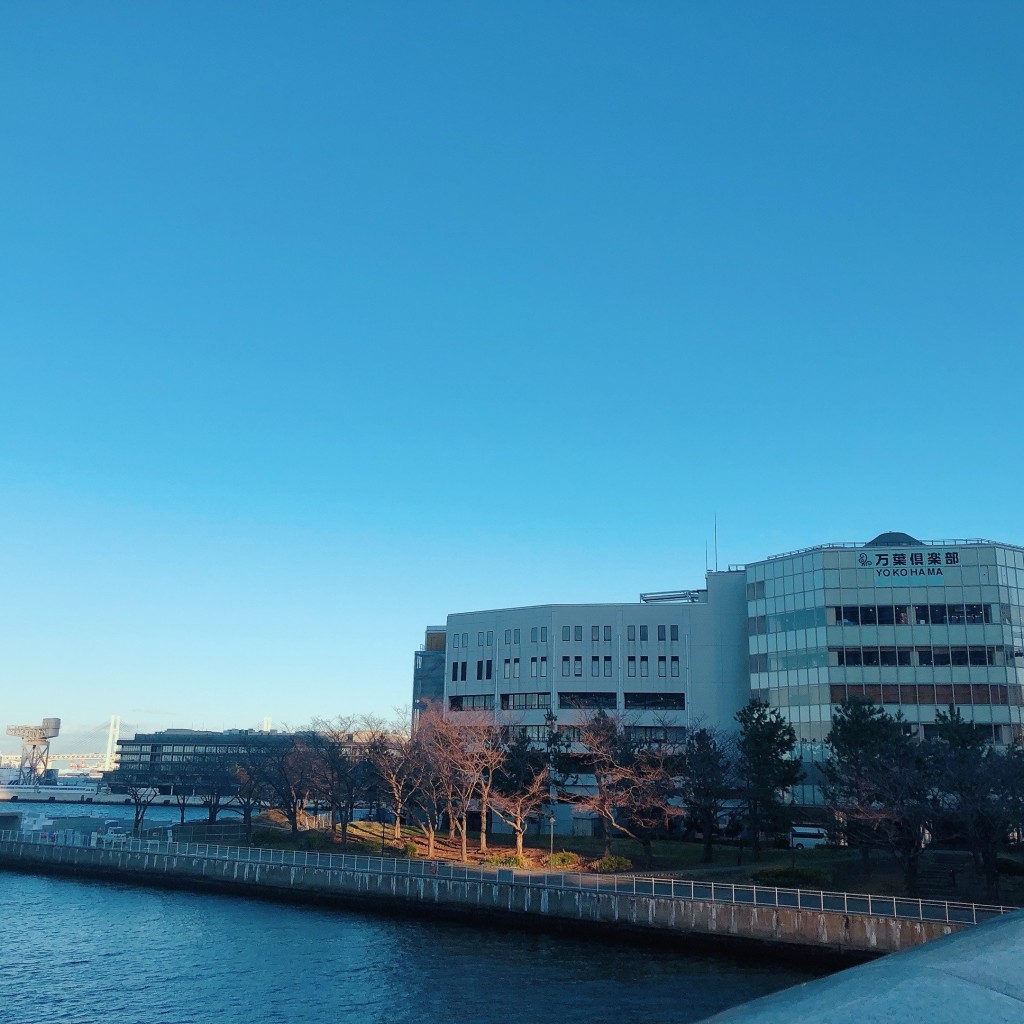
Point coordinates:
[[621, 885]]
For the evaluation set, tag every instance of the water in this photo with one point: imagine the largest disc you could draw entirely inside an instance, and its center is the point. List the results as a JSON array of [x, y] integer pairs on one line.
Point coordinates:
[[88, 952]]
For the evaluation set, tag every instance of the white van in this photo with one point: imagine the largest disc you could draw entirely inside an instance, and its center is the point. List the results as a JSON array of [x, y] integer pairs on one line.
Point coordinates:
[[807, 837]]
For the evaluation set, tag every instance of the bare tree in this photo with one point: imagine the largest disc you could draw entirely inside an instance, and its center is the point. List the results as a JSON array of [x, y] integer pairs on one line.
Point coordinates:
[[338, 768], [286, 771], [392, 750], [521, 784], [142, 796], [634, 791]]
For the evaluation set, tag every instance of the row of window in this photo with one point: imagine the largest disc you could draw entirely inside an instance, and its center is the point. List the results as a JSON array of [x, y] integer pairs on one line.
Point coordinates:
[[574, 666], [920, 614], [879, 615], [539, 634], [653, 734], [570, 701], [926, 656], [940, 695], [933, 656]]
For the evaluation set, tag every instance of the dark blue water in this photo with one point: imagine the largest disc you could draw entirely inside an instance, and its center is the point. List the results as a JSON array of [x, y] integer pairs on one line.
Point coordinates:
[[88, 952]]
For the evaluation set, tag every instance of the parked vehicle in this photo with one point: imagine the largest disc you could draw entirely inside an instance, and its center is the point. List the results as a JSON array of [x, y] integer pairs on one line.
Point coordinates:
[[807, 837]]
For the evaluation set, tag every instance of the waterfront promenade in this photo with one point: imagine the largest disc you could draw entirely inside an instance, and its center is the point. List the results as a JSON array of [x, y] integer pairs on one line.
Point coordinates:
[[838, 925]]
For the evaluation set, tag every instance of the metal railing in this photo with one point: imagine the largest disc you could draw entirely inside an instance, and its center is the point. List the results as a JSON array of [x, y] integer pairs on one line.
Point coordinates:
[[897, 907]]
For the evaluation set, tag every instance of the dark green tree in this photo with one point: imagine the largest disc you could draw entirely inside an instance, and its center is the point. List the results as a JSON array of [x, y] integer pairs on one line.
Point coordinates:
[[861, 737], [707, 780], [975, 791], [765, 766]]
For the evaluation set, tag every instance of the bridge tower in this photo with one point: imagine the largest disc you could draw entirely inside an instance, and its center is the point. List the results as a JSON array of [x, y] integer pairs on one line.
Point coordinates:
[[35, 748]]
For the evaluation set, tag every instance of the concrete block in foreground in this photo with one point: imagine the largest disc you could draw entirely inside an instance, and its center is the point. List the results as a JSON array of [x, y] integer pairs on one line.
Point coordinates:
[[972, 977]]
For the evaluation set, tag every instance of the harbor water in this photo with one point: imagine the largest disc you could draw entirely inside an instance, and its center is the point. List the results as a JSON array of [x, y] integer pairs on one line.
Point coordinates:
[[82, 952]]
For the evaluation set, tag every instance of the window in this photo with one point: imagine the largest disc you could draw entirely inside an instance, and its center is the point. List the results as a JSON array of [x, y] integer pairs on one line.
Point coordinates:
[[566, 634], [607, 634], [656, 734], [607, 666], [471, 702], [465, 639], [479, 670], [661, 634], [462, 672], [631, 632], [455, 641], [655, 702], [644, 671], [662, 667], [543, 667], [578, 631], [455, 671], [508, 668], [480, 638], [508, 636], [515, 668], [490, 669], [490, 638], [577, 666], [543, 634], [565, 665], [516, 635], [595, 666], [595, 633], [675, 666], [643, 633], [525, 701], [537, 733], [533, 634], [631, 666], [674, 634], [580, 699], [533, 668]]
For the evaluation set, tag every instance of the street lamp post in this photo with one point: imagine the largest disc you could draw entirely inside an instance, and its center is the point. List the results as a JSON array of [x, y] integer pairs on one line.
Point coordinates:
[[551, 827]]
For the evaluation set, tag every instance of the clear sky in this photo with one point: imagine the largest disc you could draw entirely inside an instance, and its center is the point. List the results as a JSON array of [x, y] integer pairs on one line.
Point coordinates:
[[321, 321]]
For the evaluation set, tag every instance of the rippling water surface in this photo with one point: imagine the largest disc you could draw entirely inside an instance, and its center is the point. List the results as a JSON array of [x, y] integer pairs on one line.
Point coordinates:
[[90, 952]]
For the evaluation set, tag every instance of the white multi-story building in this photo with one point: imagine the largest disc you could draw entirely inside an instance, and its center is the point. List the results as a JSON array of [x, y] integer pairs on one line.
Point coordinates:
[[912, 625], [662, 662]]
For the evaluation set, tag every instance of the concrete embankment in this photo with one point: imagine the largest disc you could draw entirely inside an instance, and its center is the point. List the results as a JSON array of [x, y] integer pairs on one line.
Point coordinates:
[[976, 974], [515, 899]]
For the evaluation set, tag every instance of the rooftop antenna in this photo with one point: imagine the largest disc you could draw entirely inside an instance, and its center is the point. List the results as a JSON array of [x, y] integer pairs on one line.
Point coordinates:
[[716, 542]]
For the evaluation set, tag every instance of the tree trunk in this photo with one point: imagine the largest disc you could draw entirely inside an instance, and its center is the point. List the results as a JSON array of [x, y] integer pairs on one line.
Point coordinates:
[[519, 841], [398, 823], [648, 851], [709, 851], [463, 829], [430, 841], [483, 825]]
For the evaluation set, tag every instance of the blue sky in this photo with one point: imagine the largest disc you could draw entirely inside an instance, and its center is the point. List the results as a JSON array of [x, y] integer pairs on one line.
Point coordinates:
[[320, 322]]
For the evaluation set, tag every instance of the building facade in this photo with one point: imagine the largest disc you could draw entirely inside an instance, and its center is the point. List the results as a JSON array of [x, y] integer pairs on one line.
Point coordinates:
[[913, 625], [663, 662]]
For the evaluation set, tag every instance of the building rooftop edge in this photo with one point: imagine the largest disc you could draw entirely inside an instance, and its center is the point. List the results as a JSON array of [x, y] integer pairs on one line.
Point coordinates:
[[855, 545]]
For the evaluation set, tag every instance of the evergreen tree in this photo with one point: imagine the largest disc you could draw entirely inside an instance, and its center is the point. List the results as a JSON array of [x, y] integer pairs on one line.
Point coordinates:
[[765, 766]]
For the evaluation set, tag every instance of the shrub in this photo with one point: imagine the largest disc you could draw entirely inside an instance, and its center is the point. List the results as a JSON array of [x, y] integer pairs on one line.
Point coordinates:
[[505, 861], [1009, 866], [268, 836], [614, 863], [564, 860], [314, 840], [784, 877], [411, 849]]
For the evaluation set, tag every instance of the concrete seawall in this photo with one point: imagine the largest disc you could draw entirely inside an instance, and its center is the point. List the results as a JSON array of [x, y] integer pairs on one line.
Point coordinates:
[[826, 934]]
